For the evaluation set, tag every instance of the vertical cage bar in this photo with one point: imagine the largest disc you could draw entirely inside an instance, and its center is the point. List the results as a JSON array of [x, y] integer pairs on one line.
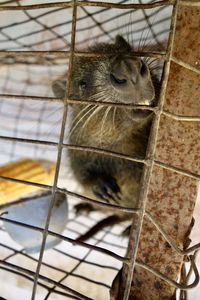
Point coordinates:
[[149, 163], [134, 239], [58, 162]]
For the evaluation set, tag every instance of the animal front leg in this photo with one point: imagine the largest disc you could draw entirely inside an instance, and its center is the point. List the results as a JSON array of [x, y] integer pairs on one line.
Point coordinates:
[[95, 175]]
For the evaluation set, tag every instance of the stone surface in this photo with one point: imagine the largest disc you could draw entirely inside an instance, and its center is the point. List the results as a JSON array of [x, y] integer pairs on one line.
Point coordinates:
[[172, 196], [178, 144], [171, 202], [187, 37], [184, 89]]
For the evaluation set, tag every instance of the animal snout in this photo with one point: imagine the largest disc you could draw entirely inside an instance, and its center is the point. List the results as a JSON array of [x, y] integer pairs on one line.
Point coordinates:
[[131, 78], [126, 70]]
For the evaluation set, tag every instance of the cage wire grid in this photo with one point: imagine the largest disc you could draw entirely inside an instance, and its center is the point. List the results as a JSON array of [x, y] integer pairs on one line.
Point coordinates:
[[16, 56]]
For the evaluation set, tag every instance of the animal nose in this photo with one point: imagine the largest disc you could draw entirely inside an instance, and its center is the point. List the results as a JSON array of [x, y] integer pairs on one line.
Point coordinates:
[[125, 68]]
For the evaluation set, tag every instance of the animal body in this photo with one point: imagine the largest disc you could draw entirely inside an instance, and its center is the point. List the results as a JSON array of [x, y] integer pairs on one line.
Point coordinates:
[[116, 78]]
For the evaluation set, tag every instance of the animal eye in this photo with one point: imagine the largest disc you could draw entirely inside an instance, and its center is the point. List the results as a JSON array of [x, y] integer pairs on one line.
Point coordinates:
[[117, 80], [82, 84]]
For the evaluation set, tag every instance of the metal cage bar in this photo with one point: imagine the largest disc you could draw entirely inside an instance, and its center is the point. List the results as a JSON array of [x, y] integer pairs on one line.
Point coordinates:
[[149, 161]]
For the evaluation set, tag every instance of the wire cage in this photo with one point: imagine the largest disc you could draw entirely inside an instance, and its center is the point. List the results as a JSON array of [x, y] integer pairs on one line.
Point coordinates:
[[38, 42]]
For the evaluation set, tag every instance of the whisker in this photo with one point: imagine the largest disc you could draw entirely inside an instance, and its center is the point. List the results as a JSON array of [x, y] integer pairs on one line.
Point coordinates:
[[114, 115], [101, 98], [103, 122], [77, 123], [152, 60], [97, 109], [92, 115], [95, 96], [82, 111]]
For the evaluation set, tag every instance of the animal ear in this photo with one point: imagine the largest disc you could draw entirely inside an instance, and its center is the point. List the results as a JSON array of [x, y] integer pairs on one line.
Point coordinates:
[[59, 88], [122, 43]]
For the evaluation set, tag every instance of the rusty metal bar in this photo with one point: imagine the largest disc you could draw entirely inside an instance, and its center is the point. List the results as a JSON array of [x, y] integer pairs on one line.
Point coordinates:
[[168, 239], [172, 282], [148, 162], [122, 105], [67, 239], [107, 153], [190, 269], [76, 147], [189, 3], [181, 118], [66, 54], [185, 65], [29, 53], [70, 4], [47, 279], [120, 258], [34, 98], [77, 101], [183, 294], [59, 155], [69, 193], [177, 170], [133, 247]]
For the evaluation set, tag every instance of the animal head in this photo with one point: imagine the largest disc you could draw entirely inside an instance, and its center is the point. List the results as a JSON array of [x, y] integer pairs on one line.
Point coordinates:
[[119, 77]]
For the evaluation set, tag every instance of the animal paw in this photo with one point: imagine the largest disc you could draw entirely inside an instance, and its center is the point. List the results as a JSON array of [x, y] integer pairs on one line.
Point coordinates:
[[107, 189]]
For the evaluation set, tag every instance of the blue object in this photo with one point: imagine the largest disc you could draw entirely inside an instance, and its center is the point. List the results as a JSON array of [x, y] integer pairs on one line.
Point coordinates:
[[34, 212]]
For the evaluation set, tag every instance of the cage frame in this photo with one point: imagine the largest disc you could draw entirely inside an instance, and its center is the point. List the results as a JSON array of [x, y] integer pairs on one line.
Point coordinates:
[[130, 260]]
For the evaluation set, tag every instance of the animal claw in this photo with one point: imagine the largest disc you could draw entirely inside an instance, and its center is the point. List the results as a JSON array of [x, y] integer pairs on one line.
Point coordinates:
[[107, 189], [81, 208]]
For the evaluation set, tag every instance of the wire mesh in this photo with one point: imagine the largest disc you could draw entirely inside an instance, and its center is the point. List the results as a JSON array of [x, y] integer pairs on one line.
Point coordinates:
[[35, 49]]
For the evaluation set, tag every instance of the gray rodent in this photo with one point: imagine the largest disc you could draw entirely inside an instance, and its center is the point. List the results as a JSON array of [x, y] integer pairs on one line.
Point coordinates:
[[120, 78]]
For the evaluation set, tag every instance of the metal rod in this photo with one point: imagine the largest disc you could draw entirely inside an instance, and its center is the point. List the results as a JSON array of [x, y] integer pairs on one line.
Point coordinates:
[[171, 281], [67, 239], [34, 98], [181, 118], [72, 194], [177, 170], [76, 147], [78, 101], [59, 155], [168, 239], [44, 278], [66, 54], [135, 234], [73, 270], [186, 65], [189, 3], [70, 4], [148, 162]]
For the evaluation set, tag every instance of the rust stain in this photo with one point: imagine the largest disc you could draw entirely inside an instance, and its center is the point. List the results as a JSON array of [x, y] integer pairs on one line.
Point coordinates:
[[187, 38], [172, 196], [179, 144], [184, 89]]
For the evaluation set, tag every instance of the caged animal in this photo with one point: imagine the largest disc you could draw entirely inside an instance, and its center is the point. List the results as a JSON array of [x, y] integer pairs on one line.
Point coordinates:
[[119, 78]]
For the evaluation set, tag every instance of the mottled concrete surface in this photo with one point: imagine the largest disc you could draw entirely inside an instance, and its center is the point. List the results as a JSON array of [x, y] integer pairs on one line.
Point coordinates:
[[172, 196], [178, 144], [187, 39], [171, 202], [183, 89]]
